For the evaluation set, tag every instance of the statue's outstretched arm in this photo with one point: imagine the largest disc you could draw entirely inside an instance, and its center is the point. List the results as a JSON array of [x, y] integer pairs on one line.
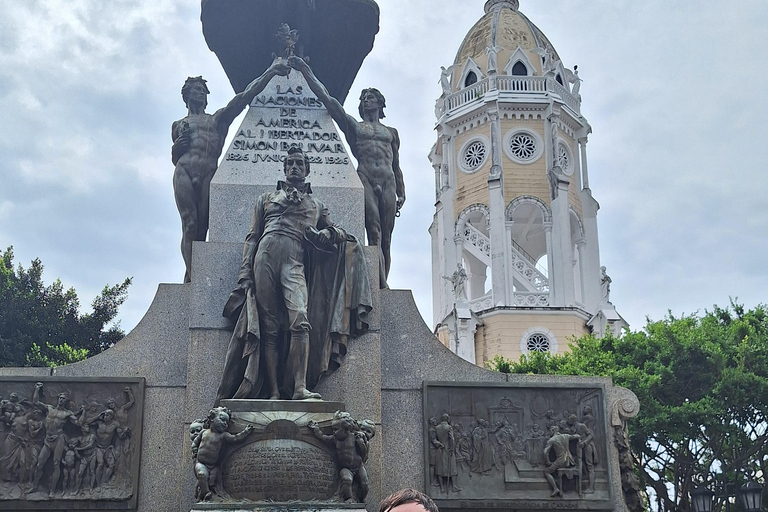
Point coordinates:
[[226, 115], [346, 123]]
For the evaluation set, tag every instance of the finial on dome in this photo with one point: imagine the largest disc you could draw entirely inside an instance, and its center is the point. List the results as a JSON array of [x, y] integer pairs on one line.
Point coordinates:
[[491, 5]]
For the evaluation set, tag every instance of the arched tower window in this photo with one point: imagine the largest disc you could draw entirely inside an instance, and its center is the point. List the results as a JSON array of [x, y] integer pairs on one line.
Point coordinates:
[[471, 79], [519, 69]]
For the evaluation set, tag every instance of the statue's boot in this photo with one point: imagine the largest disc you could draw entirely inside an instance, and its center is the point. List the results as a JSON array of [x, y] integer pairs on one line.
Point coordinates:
[[299, 355], [270, 354]]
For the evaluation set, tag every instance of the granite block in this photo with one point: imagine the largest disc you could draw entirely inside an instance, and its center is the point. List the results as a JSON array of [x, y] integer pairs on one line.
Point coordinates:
[[163, 462], [411, 354], [155, 349], [356, 382], [207, 351], [402, 440], [214, 276]]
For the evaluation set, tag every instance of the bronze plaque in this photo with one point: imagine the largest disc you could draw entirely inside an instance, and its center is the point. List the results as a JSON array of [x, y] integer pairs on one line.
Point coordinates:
[[516, 447], [70, 443]]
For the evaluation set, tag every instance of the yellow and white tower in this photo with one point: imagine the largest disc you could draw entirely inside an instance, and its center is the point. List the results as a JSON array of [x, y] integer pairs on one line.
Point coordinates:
[[516, 262]]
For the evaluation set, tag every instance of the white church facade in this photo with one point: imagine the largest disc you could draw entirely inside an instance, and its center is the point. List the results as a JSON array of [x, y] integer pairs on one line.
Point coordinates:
[[516, 259]]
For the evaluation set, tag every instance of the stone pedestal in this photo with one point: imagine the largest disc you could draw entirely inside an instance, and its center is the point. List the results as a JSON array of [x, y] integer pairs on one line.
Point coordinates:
[[279, 507]]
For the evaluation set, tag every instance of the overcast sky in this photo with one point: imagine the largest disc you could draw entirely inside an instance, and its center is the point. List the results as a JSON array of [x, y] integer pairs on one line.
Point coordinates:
[[674, 91]]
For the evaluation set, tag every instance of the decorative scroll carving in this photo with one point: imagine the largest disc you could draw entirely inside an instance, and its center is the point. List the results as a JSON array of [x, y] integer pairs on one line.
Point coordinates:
[[508, 444], [624, 406], [69, 443]]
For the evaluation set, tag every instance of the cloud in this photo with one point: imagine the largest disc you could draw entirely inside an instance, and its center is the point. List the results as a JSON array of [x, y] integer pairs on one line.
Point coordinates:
[[90, 88]]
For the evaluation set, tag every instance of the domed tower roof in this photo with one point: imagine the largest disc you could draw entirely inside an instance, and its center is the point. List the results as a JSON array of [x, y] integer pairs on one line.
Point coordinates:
[[506, 29]]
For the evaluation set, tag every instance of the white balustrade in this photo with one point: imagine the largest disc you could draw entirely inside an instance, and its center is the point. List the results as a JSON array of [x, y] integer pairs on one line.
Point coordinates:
[[516, 84]]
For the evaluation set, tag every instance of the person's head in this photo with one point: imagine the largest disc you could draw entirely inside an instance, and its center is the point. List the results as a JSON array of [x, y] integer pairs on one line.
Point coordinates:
[[219, 418], [85, 428], [587, 409], [554, 430], [369, 99], [63, 400], [296, 165], [109, 415], [195, 88], [342, 425], [14, 397], [572, 419], [37, 414], [445, 418], [408, 500], [111, 404], [432, 421]]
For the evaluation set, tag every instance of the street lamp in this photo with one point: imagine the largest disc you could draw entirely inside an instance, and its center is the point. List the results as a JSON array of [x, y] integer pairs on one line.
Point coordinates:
[[751, 495]]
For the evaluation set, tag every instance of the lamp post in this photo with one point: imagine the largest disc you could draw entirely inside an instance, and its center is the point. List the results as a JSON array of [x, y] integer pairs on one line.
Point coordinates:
[[751, 495]]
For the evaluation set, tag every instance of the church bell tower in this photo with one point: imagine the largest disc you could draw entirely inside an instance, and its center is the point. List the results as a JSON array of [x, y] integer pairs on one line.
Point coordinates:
[[516, 259]]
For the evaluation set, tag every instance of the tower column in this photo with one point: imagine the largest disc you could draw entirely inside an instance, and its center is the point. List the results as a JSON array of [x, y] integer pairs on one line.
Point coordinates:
[[584, 170], [550, 261], [581, 297], [561, 228], [499, 251], [508, 257]]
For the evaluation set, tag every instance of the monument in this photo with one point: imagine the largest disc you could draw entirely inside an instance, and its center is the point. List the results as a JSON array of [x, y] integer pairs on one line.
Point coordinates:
[[318, 389]]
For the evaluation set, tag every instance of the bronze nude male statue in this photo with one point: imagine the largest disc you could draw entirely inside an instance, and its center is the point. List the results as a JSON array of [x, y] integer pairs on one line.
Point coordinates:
[[302, 291], [198, 141], [376, 148]]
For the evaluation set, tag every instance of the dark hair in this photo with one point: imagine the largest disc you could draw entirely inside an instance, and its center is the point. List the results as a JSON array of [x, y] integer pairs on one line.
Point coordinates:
[[407, 496], [188, 87], [379, 96], [296, 150]]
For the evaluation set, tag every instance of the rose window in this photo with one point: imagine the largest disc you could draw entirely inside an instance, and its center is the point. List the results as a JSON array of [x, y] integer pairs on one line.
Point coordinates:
[[474, 155], [538, 343], [523, 146]]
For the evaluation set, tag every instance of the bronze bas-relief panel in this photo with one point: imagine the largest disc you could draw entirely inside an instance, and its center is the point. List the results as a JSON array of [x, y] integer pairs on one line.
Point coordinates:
[[504, 446], [70, 443]]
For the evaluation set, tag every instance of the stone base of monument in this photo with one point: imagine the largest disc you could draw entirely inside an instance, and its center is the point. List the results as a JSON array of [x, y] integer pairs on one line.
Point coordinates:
[[279, 507], [282, 460]]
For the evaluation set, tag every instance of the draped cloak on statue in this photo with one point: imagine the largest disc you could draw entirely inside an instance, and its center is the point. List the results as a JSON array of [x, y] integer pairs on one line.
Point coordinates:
[[338, 306]]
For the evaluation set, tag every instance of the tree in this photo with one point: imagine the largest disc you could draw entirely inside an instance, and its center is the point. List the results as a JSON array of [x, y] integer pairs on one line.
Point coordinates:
[[702, 382], [42, 325]]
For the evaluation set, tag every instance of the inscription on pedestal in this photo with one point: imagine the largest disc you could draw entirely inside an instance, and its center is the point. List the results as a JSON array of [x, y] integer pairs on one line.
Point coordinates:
[[280, 470], [287, 117]]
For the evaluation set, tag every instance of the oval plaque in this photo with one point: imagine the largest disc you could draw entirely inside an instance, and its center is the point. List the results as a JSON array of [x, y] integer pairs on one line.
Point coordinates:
[[280, 470]]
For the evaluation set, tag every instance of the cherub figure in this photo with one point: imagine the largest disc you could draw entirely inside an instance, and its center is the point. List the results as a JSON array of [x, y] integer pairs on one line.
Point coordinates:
[[352, 442], [69, 467], [206, 449]]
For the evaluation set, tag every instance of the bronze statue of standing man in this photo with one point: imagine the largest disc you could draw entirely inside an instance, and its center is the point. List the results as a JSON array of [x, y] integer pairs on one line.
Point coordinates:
[[198, 141], [376, 148]]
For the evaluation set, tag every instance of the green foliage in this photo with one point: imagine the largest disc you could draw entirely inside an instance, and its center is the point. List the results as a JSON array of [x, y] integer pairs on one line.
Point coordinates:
[[42, 325], [63, 354], [702, 382]]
